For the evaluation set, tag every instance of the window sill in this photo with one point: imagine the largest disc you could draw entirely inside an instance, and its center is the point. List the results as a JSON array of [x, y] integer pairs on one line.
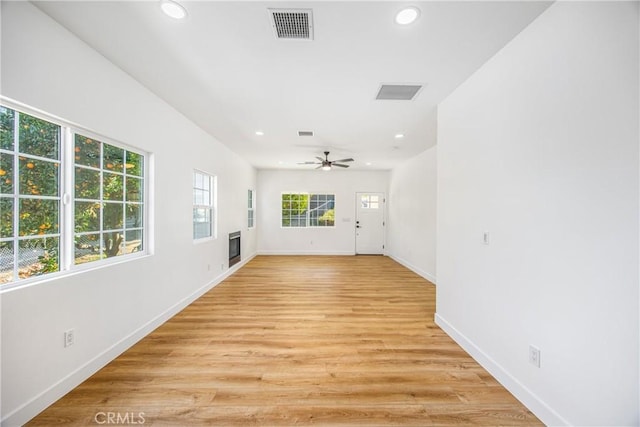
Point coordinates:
[[203, 240], [79, 269]]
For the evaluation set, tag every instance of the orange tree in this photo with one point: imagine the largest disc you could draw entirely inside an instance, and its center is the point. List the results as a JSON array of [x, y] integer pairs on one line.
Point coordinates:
[[37, 148]]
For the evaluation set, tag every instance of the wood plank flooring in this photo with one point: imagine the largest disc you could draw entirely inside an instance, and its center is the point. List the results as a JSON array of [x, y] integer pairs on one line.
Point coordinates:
[[320, 340]]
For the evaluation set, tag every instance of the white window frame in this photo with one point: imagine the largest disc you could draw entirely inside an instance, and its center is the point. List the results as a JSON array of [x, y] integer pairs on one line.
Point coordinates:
[[307, 223], [210, 205], [65, 196], [103, 170], [251, 211]]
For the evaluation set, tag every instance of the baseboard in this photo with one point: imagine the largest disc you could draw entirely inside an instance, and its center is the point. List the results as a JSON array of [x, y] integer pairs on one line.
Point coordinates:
[[430, 277], [536, 405], [39, 403], [337, 253]]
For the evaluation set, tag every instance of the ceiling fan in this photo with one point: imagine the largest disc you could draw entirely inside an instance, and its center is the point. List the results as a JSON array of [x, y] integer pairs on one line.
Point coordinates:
[[326, 164]]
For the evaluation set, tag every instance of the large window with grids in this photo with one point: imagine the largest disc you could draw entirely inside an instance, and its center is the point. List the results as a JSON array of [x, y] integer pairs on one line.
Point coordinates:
[[307, 210], [65, 198]]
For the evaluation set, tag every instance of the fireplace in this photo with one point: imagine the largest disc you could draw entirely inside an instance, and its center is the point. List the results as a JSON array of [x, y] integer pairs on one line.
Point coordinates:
[[234, 248]]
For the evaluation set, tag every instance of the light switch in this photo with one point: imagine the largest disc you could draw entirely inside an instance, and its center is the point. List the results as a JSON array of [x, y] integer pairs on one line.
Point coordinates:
[[485, 238]]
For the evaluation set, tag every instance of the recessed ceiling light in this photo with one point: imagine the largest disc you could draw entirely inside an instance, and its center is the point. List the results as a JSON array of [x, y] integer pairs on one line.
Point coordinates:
[[399, 136], [259, 133], [368, 163], [407, 15], [173, 9]]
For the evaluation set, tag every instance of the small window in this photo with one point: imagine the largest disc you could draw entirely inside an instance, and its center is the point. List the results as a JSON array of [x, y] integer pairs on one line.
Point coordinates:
[[369, 201], [203, 205], [307, 210], [250, 210]]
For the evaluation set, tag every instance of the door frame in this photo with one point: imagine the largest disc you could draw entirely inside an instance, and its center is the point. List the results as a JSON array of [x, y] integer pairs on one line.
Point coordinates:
[[384, 221]]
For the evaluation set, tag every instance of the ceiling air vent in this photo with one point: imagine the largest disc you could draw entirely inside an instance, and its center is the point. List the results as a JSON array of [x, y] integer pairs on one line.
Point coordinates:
[[292, 24], [398, 92], [305, 133]]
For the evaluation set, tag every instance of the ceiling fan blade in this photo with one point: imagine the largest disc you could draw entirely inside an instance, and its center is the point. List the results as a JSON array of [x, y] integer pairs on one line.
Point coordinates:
[[308, 163], [343, 160], [319, 167], [339, 165], [320, 158]]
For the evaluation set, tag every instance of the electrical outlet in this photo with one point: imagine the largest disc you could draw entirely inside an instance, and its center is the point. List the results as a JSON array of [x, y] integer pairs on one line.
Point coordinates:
[[69, 338], [534, 356], [485, 238]]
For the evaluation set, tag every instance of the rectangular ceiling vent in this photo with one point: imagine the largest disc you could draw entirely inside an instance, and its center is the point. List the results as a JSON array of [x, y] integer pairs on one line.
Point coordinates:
[[292, 24], [398, 92], [305, 133]]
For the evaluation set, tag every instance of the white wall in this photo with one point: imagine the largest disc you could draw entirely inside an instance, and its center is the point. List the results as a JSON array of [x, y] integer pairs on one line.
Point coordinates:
[[46, 67], [338, 240], [411, 231], [540, 148]]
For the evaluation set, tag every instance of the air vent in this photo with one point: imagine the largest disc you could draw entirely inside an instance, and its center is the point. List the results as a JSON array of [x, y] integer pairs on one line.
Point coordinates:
[[305, 133], [398, 92], [292, 24]]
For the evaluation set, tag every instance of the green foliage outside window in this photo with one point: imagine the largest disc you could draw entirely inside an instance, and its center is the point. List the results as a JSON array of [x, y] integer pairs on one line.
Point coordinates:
[[103, 218], [32, 146], [294, 210]]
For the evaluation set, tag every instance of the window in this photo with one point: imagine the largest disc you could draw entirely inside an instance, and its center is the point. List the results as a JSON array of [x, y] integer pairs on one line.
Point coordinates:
[[369, 201], [308, 210], [108, 194], [203, 205], [250, 211], [106, 210], [29, 196]]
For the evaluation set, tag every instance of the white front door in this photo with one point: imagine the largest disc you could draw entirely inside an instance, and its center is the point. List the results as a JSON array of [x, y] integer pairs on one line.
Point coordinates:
[[369, 223]]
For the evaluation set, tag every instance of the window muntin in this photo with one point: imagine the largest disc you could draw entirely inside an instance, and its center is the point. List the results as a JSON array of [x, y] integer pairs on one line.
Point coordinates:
[[250, 210], [108, 200], [203, 205], [307, 210], [104, 185]]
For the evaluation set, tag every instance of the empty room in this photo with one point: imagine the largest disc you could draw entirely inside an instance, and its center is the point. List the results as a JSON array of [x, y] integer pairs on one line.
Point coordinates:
[[320, 213]]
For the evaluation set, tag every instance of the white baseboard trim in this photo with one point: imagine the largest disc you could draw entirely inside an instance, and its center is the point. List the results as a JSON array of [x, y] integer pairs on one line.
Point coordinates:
[[337, 253], [536, 405], [430, 277], [33, 407]]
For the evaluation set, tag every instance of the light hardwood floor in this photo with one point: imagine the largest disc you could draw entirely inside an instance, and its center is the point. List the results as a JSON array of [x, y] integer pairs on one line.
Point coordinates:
[[297, 341]]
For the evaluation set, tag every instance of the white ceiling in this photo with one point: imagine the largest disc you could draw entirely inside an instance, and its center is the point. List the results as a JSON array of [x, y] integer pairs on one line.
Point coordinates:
[[223, 68]]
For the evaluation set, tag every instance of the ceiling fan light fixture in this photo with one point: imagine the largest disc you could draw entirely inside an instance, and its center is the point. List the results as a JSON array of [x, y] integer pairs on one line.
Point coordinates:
[[326, 167], [173, 9], [407, 15]]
